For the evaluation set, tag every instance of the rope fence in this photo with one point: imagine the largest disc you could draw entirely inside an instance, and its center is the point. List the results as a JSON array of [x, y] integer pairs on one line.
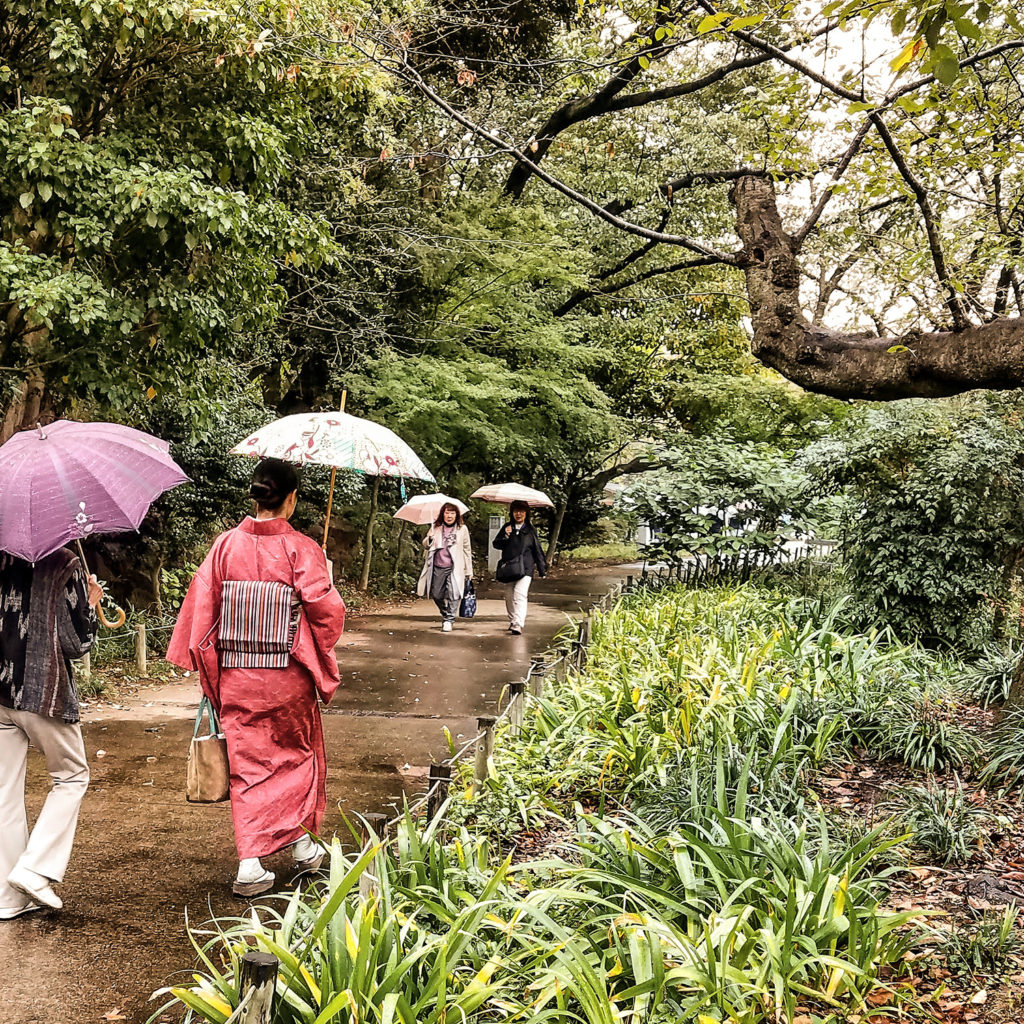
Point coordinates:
[[741, 565]]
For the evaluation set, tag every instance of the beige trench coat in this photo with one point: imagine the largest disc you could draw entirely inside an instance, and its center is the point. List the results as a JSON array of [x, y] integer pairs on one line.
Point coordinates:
[[462, 561]]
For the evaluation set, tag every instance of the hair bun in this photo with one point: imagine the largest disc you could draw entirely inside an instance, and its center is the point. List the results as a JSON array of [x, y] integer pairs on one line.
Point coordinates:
[[263, 490]]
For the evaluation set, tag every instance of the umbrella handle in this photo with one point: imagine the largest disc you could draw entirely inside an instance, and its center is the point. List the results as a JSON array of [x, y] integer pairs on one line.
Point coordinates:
[[118, 621]]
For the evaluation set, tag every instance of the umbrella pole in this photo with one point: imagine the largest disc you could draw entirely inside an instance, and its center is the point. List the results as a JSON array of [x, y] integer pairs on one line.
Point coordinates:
[[330, 502], [119, 621], [334, 472]]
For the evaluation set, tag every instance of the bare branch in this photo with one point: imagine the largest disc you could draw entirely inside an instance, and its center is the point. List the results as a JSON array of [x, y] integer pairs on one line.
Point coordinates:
[[954, 302], [413, 78], [610, 289], [844, 162]]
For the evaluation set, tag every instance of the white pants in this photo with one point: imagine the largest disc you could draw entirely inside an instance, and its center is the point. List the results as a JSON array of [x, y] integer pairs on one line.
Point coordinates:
[[515, 601], [48, 850]]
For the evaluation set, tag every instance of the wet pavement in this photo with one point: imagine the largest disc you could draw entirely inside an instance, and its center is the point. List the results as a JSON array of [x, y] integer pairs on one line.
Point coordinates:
[[144, 858]]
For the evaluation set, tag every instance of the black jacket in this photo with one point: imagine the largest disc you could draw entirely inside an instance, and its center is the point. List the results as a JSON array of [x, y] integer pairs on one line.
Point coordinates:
[[525, 543]]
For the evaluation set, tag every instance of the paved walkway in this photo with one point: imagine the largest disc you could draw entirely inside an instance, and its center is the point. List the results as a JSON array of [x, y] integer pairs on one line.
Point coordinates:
[[144, 857]]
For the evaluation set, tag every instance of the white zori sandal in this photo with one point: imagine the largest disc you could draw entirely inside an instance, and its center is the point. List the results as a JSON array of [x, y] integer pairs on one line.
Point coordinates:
[[308, 855], [252, 879]]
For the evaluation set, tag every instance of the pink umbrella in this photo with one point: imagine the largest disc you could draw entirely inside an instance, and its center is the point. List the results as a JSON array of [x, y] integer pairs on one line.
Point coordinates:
[[505, 494], [425, 508], [69, 480]]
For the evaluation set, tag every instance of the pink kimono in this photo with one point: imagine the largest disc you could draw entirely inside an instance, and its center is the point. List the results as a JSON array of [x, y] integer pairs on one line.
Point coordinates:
[[269, 715]]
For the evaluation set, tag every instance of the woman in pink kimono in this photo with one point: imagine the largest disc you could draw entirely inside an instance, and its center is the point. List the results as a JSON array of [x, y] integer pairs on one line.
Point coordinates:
[[259, 625]]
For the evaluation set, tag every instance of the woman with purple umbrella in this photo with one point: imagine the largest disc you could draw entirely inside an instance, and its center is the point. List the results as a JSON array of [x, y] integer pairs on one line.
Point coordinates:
[[47, 618], [58, 484]]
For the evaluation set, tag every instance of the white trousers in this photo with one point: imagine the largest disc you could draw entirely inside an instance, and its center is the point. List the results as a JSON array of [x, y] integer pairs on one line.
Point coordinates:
[[48, 849], [515, 601]]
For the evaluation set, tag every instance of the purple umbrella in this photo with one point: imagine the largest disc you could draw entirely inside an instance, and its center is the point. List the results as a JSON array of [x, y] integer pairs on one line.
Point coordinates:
[[70, 480]]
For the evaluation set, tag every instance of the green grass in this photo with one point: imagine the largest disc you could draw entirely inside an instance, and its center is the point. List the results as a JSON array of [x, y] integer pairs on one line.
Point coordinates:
[[617, 552]]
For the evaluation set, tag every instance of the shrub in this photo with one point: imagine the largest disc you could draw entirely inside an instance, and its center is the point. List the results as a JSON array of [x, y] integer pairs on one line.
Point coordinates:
[[942, 822], [1004, 754], [985, 949], [986, 680], [926, 739]]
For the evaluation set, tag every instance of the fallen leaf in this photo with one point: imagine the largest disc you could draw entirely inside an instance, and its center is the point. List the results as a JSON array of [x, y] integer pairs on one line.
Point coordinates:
[[114, 1015], [979, 997]]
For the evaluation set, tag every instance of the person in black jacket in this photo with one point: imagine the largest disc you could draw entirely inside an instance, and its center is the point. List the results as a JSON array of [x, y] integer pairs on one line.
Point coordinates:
[[521, 556]]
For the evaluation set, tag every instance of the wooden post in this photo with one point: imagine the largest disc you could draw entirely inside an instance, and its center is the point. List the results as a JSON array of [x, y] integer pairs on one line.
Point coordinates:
[[562, 665], [437, 788], [537, 677], [87, 665], [373, 824], [484, 749], [583, 642], [256, 988], [141, 665], [515, 706]]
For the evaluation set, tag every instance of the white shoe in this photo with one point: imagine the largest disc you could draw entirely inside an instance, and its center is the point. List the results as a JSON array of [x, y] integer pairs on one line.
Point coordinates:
[[36, 887], [9, 913], [252, 879], [447, 627], [308, 856]]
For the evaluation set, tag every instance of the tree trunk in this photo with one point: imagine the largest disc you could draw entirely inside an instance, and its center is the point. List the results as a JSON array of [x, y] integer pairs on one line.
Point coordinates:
[[918, 364], [27, 408], [364, 578], [556, 530], [398, 551], [158, 598]]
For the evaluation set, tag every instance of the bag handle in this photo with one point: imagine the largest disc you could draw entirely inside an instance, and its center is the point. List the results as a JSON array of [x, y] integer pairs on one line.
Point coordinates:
[[206, 705]]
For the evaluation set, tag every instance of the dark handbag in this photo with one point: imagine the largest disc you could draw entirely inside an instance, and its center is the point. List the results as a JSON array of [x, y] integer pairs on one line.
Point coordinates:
[[508, 570], [467, 606], [207, 779]]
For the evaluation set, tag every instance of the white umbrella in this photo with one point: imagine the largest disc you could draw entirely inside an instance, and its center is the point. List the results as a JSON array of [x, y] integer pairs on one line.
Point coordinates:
[[335, 439], [505, 494], [340, 441], [425, 508]]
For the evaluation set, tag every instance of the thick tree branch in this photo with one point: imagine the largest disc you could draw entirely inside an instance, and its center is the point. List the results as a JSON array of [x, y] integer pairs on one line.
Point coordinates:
[[917, 364], [607, 100], [641, 464], [576, 110]]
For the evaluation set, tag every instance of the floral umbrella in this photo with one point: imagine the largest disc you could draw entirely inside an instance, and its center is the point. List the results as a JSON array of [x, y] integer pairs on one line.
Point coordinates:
[[340, 441]]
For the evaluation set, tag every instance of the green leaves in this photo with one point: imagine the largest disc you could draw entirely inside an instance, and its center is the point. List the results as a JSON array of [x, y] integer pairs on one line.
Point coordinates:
[[143, 260]]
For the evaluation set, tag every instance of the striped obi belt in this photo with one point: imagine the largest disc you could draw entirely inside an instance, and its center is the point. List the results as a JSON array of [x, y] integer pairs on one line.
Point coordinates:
[[258, 620]]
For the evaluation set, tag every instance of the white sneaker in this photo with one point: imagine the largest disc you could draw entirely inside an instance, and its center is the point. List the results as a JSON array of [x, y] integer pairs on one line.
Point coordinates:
[[36, 887], [10, 913], [447, 627]]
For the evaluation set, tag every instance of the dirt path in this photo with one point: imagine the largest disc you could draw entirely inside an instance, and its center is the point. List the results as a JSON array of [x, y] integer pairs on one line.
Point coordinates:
[[144, 857]]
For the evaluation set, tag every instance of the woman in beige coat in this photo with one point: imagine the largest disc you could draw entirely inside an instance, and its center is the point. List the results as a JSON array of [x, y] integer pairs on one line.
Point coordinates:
[[448, 565]]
